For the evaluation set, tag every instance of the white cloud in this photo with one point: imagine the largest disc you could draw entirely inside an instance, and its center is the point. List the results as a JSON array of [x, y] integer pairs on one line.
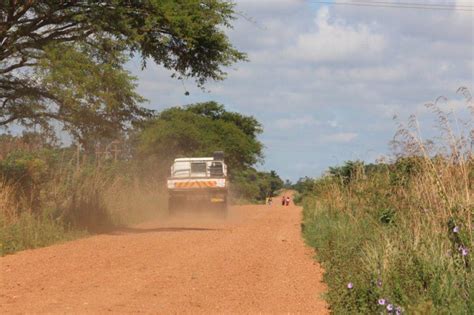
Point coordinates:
[[337, 41], [326, 81]]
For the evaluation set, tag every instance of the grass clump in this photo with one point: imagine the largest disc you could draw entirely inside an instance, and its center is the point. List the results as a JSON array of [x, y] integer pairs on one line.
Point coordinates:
[[29, 231], [46, 197], [397, 236]]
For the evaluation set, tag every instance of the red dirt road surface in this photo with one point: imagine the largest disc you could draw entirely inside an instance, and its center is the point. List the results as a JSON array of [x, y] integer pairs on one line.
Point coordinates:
[[254, 262]]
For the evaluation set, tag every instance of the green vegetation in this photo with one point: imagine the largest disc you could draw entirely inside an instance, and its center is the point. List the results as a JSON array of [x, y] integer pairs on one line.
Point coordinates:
[[199, 130], [255, 186], [62, 61], [397, 237], [29, 231], [49, 194]]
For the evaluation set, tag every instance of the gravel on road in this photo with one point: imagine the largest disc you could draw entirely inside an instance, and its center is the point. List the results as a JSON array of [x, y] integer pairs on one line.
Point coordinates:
[[253, 262]]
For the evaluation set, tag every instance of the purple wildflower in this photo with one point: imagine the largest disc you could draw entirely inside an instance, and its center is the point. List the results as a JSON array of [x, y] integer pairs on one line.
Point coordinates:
[[464, 251], [456, 229], [398, 310], [350, 285], [379, 283], [390, 307], [381, 301]]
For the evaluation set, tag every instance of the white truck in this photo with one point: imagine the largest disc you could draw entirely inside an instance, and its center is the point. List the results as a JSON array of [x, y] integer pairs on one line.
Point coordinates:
[[198, 183]]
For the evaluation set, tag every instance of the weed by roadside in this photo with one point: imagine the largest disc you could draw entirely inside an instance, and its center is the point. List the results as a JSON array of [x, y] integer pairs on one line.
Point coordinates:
[[45, 200], [397, 237]]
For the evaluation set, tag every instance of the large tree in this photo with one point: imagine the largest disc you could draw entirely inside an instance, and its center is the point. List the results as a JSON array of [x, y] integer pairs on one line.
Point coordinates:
[[62, 60], [201, 129]]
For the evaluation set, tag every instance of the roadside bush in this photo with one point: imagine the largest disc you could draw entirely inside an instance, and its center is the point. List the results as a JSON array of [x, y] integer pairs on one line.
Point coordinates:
[[27, 172], [254, 186], [398, 238], [30, 231], [45, 199], [416, 272]]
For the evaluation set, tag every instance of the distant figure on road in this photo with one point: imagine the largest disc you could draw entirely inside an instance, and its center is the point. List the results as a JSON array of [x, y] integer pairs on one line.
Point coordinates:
[[270, 200], [287, 201], [283, 201]]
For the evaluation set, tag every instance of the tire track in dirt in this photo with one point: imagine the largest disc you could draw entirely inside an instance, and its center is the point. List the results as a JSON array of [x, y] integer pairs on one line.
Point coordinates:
[[255, 262]]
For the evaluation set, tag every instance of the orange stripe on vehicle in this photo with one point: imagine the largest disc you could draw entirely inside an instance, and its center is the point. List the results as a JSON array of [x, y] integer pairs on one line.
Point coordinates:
[[194, 184]]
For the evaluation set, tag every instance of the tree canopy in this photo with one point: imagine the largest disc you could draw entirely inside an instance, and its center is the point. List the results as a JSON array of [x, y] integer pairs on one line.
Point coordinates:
[[63, 60], [201, 129]]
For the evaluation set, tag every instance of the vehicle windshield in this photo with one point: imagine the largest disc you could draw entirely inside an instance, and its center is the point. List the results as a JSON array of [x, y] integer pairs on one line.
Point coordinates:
[[198, 169]]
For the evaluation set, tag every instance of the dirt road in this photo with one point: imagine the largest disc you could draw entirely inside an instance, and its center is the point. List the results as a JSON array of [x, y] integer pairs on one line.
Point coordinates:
[[255, 262]]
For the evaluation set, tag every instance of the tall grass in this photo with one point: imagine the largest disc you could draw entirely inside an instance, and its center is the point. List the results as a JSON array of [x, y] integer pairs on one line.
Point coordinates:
[[97, 197], [398, 236], [62, 200], [22, 229]]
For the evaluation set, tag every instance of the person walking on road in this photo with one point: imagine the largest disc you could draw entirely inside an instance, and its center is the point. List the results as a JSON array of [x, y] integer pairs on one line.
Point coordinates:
[[283, 200], [287, 201]]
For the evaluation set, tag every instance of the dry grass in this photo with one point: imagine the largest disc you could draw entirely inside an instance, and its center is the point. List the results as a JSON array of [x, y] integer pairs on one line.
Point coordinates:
[[407, 224], [8, 205], [74, 200]]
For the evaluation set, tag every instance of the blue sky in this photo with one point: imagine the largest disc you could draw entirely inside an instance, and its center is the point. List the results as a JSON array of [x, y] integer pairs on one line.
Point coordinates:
[[326, 81]]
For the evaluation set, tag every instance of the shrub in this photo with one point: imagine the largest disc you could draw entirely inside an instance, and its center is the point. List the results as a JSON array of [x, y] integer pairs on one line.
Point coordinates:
[[30, 231], [44, 199], [401, 233]]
